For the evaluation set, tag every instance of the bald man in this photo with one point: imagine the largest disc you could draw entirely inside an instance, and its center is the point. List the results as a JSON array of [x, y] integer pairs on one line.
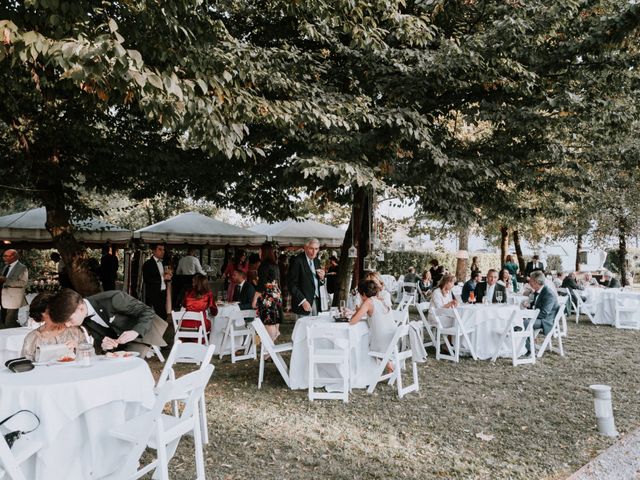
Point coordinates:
[[14, 280]]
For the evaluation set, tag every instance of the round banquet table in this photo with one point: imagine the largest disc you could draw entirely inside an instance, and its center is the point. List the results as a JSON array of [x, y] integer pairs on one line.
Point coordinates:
[[362, 365], [11, 340], [605, 304], [77, 406], [490, 321], [219, 325]]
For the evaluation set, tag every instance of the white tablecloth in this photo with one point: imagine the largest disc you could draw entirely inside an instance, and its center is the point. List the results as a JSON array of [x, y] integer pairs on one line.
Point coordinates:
[[11, 340], [219, 325], [490, 320], [77, 406], [592, 296], [363, 366], [605, 304]]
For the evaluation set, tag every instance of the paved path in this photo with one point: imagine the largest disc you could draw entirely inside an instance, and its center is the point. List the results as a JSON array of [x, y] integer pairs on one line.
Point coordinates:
[[620, 461]]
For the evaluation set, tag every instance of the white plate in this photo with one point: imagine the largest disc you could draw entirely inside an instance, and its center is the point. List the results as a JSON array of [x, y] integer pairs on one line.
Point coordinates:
[[67, 362], [121, 355]]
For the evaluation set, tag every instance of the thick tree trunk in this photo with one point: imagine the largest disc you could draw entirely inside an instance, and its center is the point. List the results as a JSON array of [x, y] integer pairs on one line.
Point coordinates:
[[622, 247], [578, 248], [518, 247], [345, 266], [461, 263], [73, 253], [504, 244]]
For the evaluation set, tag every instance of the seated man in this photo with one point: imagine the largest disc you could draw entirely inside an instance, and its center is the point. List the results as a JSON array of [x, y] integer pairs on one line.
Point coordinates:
[[470, 285], [588, 281], [543, 300], [490, 289], [570, 283], [115, 320], [244, 291], [609, 281], [411, 277], [559, 279]]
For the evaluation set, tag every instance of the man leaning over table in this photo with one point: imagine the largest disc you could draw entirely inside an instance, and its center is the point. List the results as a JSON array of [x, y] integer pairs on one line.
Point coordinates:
[[609, 281], [304, 279], [490, 287], [13, 280], [115, 320]]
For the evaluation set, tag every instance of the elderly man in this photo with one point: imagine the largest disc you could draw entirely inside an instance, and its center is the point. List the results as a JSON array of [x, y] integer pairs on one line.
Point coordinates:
[[304, 279], [115, 320], [544, 300], [14, 280], [490, 289], [189, 264], [609, 281]]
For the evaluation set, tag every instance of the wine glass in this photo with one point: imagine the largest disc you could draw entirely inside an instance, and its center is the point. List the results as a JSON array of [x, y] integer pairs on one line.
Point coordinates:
[[499, 297], [343, 307]]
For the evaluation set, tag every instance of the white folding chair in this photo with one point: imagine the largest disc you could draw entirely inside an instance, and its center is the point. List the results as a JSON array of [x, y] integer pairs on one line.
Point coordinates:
[[138, 432], [518, 334], [398, 357], [239, 336], [583, 307], [553, 333], [267, 347], [454, 328], [574, 306], [198, 333], [329, 345], [423, 311], [406, 300], [188, 353], [627, 311], [170, 429], [401, 317], [562, 325], [11, 458]]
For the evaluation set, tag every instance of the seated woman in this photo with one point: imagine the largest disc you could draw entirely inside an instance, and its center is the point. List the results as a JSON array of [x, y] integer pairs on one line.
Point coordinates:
[[425, 283], [383, 295], [49, 333], [504, 279], [380, 318], [199, 299], [268, 305], [442, 297]]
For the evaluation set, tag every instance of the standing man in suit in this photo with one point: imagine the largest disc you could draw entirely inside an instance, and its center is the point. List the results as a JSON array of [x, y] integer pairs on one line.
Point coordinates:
[[108, 268], [304, 279], [244, 291], [543, 300], [115, 320], [14, 280], [533, 266], [156, 280], [490, 288]]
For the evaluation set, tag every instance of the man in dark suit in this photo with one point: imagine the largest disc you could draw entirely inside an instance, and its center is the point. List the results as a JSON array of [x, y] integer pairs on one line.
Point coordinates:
[[115, 320], [609, 281], [244, 291], [108, 268], [543, 300], [571, 283], [155, 280], [304, 279], [490, 288], [533, 266], [470, 285]]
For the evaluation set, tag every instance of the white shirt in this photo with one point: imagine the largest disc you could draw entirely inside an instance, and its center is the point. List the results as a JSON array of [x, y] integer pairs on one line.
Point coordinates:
[[11, 265], [94, 315], [163, 286], [189, 265], [489, 293]]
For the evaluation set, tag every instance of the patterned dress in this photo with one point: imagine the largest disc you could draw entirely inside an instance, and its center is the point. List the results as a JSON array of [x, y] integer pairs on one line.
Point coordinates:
[[269, 305]]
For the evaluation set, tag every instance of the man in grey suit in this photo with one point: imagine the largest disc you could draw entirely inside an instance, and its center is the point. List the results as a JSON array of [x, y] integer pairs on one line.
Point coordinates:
[[543, 300], [115, 320], [13, 280]]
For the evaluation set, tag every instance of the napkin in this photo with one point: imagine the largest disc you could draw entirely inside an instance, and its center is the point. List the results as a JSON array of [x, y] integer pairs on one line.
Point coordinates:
[[48, 353]]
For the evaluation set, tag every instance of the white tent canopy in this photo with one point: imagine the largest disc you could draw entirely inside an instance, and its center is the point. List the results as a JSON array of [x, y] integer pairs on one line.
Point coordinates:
[[294, 233], [196, 229], [29, 226]]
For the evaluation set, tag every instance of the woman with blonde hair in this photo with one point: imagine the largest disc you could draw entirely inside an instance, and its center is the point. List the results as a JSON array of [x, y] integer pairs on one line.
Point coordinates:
[[383, 295]]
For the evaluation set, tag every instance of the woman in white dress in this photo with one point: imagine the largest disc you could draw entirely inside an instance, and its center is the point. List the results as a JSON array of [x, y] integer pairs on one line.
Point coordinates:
[[442, 296], [383, 295], [381, 324]]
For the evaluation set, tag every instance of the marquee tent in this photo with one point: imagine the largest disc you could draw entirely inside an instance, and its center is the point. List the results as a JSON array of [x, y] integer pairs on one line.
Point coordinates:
[[294, 233], [196, 229], [29, 228]]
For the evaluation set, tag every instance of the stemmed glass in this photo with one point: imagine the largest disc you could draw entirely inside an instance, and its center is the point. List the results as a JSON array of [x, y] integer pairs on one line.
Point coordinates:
[[343, 308], [499, 297]]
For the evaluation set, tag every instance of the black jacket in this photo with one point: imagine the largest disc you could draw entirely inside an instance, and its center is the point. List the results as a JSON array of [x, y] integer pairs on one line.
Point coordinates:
[[481, 291], [300, 282]]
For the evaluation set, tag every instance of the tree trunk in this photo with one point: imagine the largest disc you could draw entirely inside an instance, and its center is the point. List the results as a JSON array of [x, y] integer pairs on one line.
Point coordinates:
[[504, 244], [461, 263], [622, 247], [73, 253], [578, 248], [516, 244], [345, 266]]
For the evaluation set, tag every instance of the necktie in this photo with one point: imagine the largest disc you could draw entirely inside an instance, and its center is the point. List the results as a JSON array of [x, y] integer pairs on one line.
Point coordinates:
[[535, 297], [236, 293], [6, 270]]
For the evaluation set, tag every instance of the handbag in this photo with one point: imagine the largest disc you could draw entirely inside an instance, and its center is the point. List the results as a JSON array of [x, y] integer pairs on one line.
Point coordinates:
[[11, 437], [18, 365]]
